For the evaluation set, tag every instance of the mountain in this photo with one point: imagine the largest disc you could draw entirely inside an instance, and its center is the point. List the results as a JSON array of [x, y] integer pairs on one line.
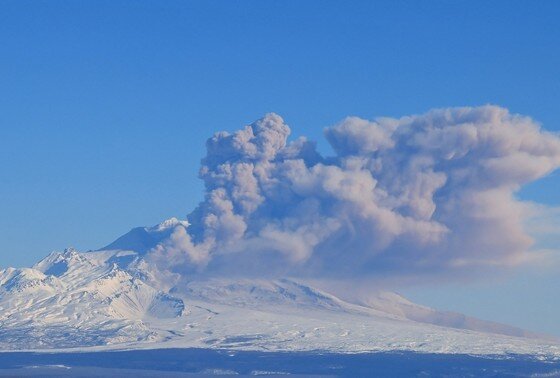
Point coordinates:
[[110, 298], [67, 300]]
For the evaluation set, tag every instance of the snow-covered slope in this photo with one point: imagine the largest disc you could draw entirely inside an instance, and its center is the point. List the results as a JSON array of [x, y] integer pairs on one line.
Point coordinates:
[[142, 239], [66, 300], [110, 298]]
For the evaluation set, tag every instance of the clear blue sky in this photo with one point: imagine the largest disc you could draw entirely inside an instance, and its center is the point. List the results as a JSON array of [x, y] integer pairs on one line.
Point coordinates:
[[105, 105]]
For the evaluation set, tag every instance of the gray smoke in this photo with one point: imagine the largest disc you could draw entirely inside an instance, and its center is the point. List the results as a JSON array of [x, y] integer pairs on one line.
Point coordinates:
[[430, 193]]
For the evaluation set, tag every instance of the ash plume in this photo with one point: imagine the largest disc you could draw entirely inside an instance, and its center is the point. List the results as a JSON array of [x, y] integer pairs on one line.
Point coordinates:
[[423, 194]]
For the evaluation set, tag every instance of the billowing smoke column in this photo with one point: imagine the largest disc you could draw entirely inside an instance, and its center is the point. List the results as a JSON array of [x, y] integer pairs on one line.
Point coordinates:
[[421, 194]]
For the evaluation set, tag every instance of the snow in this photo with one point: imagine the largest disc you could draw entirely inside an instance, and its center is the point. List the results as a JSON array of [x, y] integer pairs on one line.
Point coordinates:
[[83, 304], [108, 299]]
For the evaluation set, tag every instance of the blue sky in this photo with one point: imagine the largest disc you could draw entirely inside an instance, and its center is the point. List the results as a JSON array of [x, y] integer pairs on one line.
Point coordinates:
[[106, 105]]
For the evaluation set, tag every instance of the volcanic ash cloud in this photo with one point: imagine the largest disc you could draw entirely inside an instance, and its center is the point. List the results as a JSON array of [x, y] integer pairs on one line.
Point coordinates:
[[424, 194]]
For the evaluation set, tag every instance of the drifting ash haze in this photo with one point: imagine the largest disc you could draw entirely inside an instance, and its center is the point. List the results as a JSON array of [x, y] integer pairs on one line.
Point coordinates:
[[421, 197]]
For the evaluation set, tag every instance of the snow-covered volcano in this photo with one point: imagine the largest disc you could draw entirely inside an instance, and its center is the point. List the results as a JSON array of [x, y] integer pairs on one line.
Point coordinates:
[[110, 298]]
